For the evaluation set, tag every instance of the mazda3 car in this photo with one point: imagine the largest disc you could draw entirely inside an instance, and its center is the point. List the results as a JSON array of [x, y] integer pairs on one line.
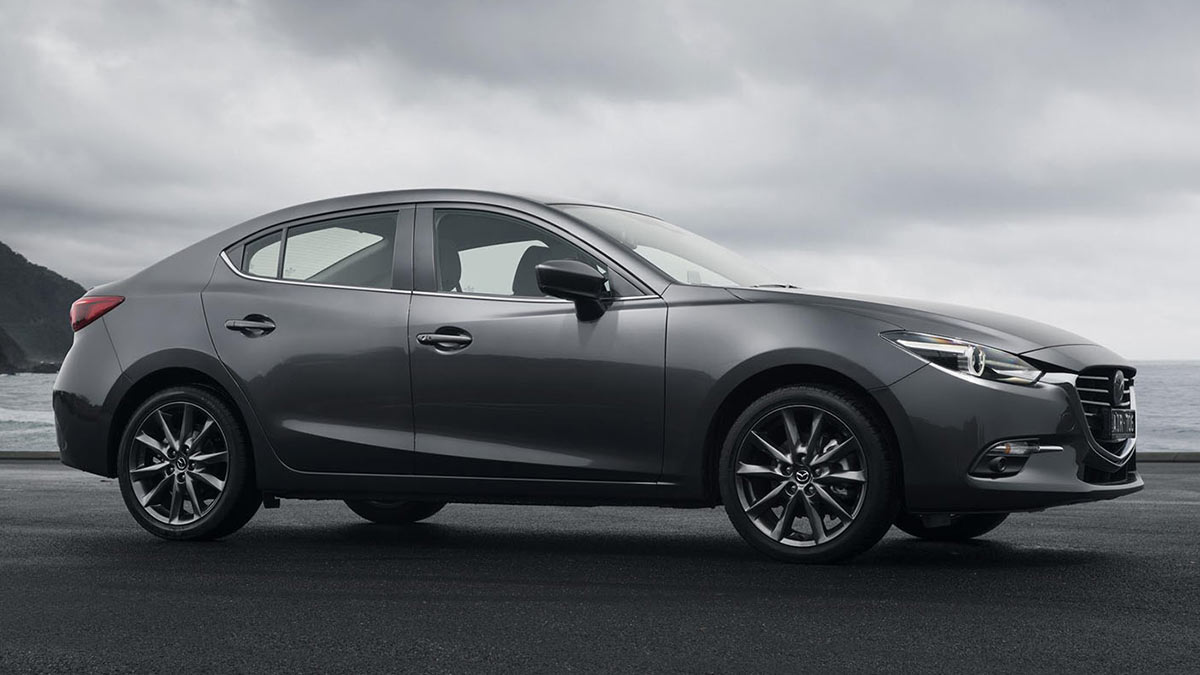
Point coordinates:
[[405, 350]]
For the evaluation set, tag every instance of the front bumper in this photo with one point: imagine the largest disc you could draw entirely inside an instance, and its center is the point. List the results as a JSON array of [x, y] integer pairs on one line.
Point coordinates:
[[951, 420]]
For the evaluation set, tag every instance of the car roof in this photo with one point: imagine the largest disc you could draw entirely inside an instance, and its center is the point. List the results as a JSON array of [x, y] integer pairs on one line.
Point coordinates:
[[369, 199], [200, 256]]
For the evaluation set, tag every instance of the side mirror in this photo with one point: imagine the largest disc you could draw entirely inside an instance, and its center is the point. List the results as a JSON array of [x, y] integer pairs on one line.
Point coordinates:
[[576, 281]]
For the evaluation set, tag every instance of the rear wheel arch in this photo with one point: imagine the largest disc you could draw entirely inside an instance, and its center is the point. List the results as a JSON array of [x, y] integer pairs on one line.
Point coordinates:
[[155, 381], [751, 388]]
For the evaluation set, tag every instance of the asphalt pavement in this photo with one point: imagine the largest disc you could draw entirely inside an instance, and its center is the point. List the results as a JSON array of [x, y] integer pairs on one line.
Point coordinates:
[[1105, 587]]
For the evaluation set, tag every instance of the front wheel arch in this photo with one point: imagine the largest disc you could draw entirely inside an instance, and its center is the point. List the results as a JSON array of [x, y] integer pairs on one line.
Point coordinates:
[[763, 382]]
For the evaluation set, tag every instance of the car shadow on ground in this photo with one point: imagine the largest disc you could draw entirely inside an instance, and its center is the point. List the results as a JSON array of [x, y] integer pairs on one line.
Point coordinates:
[[455, 544]]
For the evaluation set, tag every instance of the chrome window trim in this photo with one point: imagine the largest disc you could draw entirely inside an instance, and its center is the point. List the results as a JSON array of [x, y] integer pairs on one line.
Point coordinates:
[[292, 282], [511, 298], [471, 296]]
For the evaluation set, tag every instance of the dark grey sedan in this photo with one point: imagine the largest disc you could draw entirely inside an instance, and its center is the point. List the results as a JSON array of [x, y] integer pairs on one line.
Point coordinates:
[[403, 350]]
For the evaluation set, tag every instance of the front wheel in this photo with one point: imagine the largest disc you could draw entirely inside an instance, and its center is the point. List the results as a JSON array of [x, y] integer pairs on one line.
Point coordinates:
[[808, 475], [185, 466], [394, 513], [961, 526]]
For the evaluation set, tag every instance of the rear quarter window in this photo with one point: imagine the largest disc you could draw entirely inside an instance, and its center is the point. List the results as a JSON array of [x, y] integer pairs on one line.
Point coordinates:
[[260, 257]]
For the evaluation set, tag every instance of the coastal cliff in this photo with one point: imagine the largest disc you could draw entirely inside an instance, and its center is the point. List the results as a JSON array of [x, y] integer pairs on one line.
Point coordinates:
[[35, 304]]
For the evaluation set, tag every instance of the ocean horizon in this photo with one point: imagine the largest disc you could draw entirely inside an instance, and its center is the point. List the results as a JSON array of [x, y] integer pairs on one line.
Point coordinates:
[[1168, 397]]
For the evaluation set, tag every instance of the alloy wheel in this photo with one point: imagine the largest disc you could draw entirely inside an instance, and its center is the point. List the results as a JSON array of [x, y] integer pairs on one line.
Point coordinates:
[[179, 463], [801, 475]]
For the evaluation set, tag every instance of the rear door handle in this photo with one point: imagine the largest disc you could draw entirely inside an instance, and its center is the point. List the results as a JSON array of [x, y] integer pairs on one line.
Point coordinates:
[[445, 341], [253, 325]]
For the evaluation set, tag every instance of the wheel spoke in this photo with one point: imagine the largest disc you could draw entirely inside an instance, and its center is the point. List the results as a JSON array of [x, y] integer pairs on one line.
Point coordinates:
[[815, 521], [148, 470], [843, 477], [211, 480], [197, 508], [814, 434], [211, 458], [793, 433], [195, 441], [176, 502], [837, 509], [784, 526], [155, 445], [153, 494], [770, 449], [186, 423], [174, 444], [836, 452], [766, 500], [754, 470]]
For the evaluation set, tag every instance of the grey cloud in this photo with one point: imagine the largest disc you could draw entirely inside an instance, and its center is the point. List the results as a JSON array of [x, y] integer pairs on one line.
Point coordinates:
[[857, 144], [625, 50]]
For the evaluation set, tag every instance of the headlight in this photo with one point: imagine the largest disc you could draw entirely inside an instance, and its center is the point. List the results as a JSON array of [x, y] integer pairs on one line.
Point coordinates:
[[967, 358]]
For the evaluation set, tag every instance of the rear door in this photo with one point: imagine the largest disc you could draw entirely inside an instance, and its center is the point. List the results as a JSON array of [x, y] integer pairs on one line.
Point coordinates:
[[311, 320]]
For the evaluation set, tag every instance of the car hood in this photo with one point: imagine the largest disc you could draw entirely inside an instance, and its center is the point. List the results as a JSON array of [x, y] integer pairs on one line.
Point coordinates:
[[994, 329]]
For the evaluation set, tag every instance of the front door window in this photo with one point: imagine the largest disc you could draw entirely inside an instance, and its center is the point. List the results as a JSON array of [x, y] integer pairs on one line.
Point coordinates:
[[481, 253]]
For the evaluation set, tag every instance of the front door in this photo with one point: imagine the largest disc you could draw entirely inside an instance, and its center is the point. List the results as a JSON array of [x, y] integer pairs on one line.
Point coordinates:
[[311, 320], [510, 383]]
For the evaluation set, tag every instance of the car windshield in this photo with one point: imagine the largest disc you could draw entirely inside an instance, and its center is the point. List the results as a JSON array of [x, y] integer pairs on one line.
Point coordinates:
[[685, 257]]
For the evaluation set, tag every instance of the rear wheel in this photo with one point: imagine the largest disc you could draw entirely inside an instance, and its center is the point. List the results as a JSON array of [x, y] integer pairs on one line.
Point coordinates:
[[185, 466], [808, 475], [961, 526], [394, 513]]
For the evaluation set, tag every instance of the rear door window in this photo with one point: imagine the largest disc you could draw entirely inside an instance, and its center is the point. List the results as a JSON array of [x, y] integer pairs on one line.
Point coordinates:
[[352, 251]]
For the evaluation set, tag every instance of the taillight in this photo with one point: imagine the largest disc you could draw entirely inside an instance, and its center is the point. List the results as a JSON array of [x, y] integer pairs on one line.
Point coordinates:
[[87, 309]]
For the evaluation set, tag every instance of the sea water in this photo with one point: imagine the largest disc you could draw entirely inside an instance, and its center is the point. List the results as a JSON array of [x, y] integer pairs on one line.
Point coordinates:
[[1168, 396]]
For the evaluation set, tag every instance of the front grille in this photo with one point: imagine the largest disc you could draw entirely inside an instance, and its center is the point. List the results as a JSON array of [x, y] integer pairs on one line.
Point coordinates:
[[1095, 392], [1124, 474]]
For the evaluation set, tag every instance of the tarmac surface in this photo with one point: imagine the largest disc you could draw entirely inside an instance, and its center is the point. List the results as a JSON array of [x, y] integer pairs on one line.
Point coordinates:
[[1103, 587]]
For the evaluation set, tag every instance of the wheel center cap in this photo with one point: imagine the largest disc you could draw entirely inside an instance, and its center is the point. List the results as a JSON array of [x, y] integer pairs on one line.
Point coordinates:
[[181, 463], [803, 476]]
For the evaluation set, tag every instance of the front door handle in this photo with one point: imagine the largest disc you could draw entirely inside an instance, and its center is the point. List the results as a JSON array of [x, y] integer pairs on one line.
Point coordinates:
[[445, 341], [253, 325]]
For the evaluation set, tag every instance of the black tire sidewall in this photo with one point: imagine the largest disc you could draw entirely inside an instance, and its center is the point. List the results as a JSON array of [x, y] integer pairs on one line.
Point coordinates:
[[880, 504], [240, 491], [394, 513], [964, 526]]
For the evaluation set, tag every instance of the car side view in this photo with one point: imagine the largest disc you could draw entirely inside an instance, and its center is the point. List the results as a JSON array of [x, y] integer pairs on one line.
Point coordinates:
[[404, 350]]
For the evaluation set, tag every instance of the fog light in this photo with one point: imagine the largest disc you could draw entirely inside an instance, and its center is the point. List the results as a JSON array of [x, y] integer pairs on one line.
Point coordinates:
[[1015, 448], [1007, 458]]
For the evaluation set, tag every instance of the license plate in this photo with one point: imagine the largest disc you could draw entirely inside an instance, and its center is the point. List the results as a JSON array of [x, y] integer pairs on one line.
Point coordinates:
[[1120, 424]]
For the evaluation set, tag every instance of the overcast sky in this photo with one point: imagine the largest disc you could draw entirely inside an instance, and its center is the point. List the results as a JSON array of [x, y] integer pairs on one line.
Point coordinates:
[[1041, 159]]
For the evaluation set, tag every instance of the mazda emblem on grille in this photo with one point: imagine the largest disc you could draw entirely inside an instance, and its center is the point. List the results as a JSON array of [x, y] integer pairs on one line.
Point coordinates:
[[1118, 388]]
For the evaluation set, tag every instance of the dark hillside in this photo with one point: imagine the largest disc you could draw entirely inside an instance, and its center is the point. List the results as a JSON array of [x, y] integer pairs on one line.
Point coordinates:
[[12, 357], [34, 307]]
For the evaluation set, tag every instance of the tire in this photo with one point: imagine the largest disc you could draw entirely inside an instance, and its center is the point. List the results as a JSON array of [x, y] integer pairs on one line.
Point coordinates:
[[962, 526], [852, 463], [210, 454], [394, 513]]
